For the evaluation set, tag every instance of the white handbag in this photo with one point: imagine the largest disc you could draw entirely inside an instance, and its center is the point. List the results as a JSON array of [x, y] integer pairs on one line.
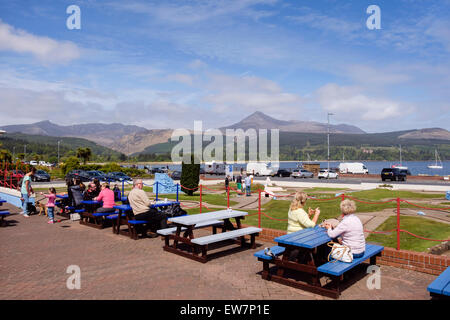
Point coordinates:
[[339, 252]]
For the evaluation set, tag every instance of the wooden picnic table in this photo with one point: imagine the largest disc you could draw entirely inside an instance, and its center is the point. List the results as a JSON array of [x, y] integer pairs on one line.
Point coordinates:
[[125, 209], [312, 252], [305, 269], [184, 232]]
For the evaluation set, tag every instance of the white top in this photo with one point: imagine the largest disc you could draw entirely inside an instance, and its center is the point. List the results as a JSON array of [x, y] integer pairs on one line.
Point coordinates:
[[215, 215], [352, 233]]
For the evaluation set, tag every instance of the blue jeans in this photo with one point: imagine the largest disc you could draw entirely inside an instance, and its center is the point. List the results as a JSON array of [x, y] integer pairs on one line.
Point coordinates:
[[50, 211], [26, 199], [248, 190], [358, 255]]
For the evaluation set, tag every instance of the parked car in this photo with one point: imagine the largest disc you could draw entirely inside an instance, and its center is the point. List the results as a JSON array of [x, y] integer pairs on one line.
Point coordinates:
[[282, 173], [41, 175], [393, 174], [81, 174], [118, 176], [302, 173], [33, 163], [93, 174], [327, 174], [176, 175], [353, 167]]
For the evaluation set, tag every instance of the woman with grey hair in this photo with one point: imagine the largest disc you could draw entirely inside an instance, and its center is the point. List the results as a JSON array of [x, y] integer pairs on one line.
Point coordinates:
[[350, 229]]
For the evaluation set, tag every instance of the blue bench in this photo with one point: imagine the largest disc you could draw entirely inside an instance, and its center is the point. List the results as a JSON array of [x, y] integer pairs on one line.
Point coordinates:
[[276, 250], [338, 268], [95, 219], [440, 287], [3, 214]]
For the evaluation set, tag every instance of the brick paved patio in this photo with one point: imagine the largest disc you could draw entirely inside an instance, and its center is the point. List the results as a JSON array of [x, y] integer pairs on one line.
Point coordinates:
[[34, 257]]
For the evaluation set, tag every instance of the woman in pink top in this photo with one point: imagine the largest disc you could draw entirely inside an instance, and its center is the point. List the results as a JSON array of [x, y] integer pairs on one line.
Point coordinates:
[[107, 196], [51, 204], [350, 229]]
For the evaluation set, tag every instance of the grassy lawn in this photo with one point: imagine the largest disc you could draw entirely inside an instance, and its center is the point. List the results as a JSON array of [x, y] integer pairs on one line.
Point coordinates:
[[323, 189], [420, 226], [215, 199], [378, 194]]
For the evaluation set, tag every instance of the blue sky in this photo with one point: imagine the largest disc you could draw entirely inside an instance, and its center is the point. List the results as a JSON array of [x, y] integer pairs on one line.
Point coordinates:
[[164, 64]]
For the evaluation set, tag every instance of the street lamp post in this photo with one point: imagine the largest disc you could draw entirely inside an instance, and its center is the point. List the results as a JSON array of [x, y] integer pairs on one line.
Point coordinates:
[[328, 139], [25, 153], [58, 152]]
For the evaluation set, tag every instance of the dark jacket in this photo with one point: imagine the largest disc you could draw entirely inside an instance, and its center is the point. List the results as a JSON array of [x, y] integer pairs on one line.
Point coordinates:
[[77, 195]]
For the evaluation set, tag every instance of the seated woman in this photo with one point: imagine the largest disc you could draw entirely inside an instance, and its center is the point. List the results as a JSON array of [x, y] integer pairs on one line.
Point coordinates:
[[107, 196], [90, 193], [98, 187], [350, 229], [76, 193], [298, 219]]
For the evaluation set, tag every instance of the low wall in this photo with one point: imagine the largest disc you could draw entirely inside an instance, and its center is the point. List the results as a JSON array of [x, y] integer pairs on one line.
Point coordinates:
[[12, 196], [410, 260]]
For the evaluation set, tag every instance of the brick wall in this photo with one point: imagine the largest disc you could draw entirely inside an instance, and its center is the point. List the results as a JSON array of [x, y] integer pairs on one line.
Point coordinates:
[[417, 261]]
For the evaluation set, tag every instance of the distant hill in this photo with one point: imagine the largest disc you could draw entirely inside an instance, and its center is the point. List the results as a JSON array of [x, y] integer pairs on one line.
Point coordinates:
[[130, 139], [259, 120], [367, 146], [104, 134], [48, 146], [431, 133]]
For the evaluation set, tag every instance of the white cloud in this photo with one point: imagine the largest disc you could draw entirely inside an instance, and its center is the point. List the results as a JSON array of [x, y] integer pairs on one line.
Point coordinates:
[[230, 94], [350, 103], [45, 49], [181, 78]]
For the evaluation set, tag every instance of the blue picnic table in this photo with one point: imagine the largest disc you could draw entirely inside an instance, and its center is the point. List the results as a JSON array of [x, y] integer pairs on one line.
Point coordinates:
[[305, 252], [122, 218]]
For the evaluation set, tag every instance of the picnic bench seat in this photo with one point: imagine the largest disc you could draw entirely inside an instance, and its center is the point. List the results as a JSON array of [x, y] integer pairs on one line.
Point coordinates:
[[213, 223], [440, 287], [276, 250], [253, 231], [3, 214], [94, 219], [338, 268]]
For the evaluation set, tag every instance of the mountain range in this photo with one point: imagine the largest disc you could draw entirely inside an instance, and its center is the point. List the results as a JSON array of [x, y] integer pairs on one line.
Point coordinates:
[[131, 139]]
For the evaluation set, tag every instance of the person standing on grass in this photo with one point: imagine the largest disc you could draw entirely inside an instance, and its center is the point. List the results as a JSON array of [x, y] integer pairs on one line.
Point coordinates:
[[248, 184], [239, 183], [51, 205], [26, 191], [227, 182]]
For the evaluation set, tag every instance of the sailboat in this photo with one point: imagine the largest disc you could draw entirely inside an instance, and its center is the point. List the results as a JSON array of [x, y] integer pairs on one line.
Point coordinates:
[[436, 166], [400, 166]]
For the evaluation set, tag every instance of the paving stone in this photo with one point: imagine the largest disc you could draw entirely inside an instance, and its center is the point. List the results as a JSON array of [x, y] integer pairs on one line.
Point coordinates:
[[35, 256]]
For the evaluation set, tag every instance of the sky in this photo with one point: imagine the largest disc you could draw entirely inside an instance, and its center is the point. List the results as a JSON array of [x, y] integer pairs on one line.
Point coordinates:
[[165, 64]]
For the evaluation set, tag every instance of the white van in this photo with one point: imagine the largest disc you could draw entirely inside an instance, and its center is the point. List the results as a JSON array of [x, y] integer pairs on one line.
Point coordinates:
[[215, 168], [261, 169], [353, 167], [33, 163]]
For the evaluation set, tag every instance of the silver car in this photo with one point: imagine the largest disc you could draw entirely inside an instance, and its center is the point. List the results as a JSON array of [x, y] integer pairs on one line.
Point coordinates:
[[302, 173]]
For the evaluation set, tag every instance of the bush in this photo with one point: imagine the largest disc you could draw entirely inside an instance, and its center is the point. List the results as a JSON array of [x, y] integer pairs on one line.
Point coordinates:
[[190, 176], [71, 163]]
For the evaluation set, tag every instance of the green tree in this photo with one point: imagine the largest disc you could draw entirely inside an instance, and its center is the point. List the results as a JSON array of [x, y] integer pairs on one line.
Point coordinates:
[[71, 164], [5, 155], [190, 176], [84, 153]]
